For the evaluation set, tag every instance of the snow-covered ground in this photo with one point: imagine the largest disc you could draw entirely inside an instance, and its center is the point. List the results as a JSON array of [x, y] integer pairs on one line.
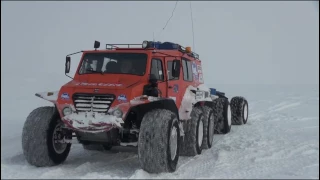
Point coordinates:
[[280, 140]]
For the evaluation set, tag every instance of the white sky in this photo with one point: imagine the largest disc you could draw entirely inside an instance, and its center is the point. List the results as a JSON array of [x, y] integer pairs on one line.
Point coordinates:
[[238, 42]]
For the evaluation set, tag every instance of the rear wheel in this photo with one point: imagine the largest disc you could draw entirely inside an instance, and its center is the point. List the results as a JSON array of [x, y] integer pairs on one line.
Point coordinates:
[[208, 127], [223, 116], [240, 110], [227, 116], [159, 138], [194, 133]]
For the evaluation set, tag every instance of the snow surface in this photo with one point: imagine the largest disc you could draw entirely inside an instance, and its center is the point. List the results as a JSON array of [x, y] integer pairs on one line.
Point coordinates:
[[280, 140]]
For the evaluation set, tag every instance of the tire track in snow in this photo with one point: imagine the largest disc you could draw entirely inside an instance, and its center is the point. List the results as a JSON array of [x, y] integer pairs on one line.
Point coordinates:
[[187, 166], [266, 169], [283, 105]]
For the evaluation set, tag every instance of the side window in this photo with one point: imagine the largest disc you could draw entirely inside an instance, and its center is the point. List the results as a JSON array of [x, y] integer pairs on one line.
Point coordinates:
[[169, 67], [187, 70], [157, 69], [190, 73]]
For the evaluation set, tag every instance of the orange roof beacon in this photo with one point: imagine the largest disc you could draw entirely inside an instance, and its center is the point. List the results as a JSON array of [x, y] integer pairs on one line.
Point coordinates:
[[150, 95]]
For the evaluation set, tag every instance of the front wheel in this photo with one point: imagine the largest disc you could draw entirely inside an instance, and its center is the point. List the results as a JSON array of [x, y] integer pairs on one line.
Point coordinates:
[[42, 138], [159, 138]]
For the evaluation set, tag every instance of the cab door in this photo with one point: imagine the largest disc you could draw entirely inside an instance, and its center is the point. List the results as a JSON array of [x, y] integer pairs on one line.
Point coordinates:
[[157, 68], [174, 84]]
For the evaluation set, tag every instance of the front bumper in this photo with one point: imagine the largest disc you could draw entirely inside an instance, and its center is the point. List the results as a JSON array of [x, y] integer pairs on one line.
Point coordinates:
[[98, 122], [92, 121]]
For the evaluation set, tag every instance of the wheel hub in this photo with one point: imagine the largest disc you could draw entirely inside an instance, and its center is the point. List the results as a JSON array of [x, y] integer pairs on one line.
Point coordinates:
[[245, 112], [173, 142], [200, 133], [56, 138], [211, 128], [229, 116]]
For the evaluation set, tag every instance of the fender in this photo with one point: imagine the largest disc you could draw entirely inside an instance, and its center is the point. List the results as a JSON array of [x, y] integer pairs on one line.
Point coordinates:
[[51, 96], [193, 96], [141, 109]]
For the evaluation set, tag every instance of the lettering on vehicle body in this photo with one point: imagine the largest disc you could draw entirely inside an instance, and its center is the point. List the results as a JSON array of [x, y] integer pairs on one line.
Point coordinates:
[[99, 84]]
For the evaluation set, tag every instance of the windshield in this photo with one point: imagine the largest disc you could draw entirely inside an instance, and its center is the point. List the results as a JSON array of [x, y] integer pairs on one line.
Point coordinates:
[[114, 63]]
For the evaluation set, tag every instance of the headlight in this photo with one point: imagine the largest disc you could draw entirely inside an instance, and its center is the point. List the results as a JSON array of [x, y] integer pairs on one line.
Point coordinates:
[[118, 113], [66, 111]]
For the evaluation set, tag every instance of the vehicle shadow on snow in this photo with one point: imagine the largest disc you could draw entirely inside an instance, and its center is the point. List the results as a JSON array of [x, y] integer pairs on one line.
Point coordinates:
[[15, 160], [119, 161]]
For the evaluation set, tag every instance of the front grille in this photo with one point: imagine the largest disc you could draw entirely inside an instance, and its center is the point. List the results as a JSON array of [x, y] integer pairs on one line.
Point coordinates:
[[93, 102]]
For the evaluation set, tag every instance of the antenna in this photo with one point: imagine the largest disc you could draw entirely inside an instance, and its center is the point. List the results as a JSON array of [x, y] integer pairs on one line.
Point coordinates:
[[192, 28], [168, 19]]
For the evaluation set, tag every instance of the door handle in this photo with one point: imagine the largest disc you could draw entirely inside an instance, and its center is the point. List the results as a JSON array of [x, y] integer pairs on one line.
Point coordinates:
[[170, 87]]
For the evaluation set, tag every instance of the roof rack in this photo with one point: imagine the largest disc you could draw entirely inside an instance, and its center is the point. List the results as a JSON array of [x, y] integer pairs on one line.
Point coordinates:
[[114, 46], [155, 45], [192, 54], [169, 46]]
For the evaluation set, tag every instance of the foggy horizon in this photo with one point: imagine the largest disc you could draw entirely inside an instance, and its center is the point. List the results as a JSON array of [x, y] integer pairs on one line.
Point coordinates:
[[238, 42]]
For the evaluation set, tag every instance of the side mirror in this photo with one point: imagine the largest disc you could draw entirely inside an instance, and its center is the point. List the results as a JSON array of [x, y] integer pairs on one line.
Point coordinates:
[[96, 44], [67, 68], [153, 79], [176, 68]]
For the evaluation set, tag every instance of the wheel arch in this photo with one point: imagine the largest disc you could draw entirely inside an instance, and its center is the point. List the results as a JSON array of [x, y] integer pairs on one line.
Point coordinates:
[[51, 96], [140, 110]]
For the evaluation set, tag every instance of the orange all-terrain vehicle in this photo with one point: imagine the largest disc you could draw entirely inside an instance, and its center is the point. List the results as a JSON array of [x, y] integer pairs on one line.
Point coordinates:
[[150, 95]]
